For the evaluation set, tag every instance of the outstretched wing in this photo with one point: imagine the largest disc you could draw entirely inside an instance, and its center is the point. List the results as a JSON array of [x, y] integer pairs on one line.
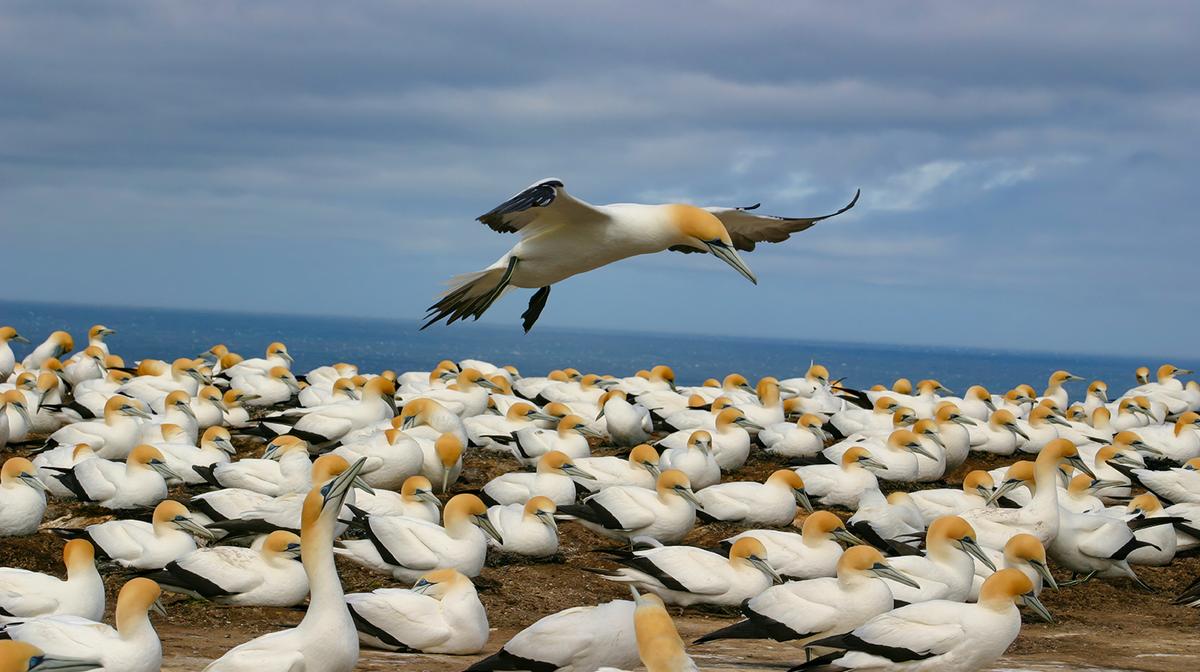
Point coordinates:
[[544, 201], [747, 228]]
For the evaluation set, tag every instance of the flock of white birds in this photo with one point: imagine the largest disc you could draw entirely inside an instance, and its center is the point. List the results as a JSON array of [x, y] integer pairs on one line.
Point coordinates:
[[366, 466]]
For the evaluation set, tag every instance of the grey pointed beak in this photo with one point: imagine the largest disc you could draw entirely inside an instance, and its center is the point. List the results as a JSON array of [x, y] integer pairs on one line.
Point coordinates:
[[24, 413], [1017, 430], [1078, 463], [360, 484], [164, 470], [192, 527], [652, 468], [1005, 488], [873, 463], [991, 405], [538, 415], [1038, 608], [846, 536], [336, 490], [1044, 572], [748, 424], [888, 572], [485, 383], [548, 519], [33, 481], [803, 500], [921, 450], [1145, 447], [688, 495], [225, 445], [187, 410], [730, 256], [137, 412], [158, 608], [20, 339], [572, 470], [287, 358], [589, 432], [972, 548], [1101, 484], [428, 496], [408, 422], [489, 529], [766, 568], [964, 420]]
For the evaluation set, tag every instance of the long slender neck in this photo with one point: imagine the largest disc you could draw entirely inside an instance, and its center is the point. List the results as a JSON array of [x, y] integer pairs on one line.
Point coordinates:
[[1046, 481], [325, 586]]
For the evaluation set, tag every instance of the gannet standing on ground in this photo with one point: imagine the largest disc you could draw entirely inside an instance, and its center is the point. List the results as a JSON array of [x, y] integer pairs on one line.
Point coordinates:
[[562, 236], [326, 639]]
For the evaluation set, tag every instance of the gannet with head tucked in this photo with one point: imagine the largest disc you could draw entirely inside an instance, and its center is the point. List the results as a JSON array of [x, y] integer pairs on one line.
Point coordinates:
[[441, 613], [562, 236], [26, 594]]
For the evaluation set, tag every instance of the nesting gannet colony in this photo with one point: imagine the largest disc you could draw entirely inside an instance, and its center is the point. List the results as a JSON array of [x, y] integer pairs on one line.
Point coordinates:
[[476, 517]]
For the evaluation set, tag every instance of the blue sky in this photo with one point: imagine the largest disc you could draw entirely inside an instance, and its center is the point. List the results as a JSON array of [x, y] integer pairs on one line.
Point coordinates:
[[1027, 168]]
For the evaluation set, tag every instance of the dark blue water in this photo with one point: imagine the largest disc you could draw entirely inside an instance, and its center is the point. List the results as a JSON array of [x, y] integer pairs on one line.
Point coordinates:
[[375, 344]]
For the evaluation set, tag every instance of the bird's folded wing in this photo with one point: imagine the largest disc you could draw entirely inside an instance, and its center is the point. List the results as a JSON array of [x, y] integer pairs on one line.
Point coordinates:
[[799, 612], [411, 543], [626, 506], [747, 228], [544, 202], [237, 570], [698, 571], [27, 602], [919, 631], [416, 618], [123, 539]]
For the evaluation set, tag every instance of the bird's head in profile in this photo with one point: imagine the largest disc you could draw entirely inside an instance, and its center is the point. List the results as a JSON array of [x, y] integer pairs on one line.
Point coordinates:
[[701, 230]]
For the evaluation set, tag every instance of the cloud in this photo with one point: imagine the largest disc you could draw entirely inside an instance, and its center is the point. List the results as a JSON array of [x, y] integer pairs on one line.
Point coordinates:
[[1024, 144]]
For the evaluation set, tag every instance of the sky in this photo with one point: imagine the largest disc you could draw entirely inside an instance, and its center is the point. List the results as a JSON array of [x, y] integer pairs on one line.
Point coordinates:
[[1027, 168]]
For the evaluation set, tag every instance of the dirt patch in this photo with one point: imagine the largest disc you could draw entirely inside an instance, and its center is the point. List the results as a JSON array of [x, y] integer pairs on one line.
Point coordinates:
[[1100, 624]]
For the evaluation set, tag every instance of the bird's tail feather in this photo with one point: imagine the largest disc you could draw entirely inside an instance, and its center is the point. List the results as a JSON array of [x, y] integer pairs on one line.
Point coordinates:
[[471, 295]]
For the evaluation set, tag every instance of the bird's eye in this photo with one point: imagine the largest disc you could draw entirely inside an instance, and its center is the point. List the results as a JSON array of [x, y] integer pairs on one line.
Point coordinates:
[[325, 489]]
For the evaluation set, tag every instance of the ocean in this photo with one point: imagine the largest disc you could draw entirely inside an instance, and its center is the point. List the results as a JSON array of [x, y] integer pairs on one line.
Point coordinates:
[[377, 344]]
